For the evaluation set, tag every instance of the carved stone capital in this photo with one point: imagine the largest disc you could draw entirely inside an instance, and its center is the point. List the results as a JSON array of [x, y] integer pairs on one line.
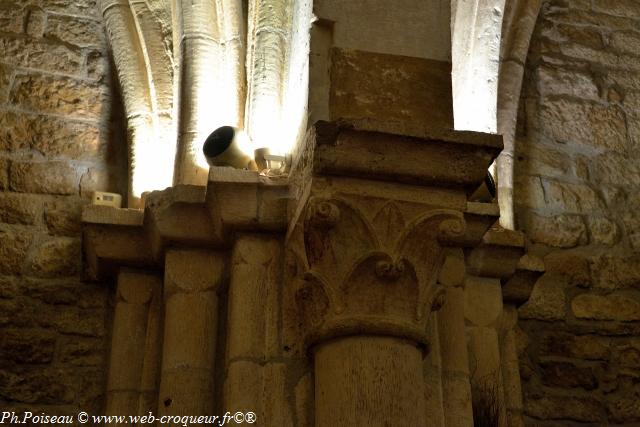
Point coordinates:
[[369, 268]]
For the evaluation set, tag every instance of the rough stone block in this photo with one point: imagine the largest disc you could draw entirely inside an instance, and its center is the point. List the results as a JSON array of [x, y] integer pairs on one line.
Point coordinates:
[[628, 354], [571, 198], [623, 409], [624, 79], [555, 81], [627, 8], [584, 124], [59, 95], [574, 267], [27, 52], [555, 37], [567, 375], [4, 174], [562, 231], [20, 208], [27, 346], [14, 245], [57, 257], [616, 272], [16, 312], [72, 320], [8, 288], [5, 80], [12, 17], [40, 386], [62, 215], [590, 18], [73, 7], [550, 407], [603, 231], [616, 306], [97, 179], [541, 160], [74, 30], [65, 292], [49, 136], [54, 177], [617, 169], [36, 20], [547, 301], [600, 56], [377, 87], [587, 347], [78, 351]]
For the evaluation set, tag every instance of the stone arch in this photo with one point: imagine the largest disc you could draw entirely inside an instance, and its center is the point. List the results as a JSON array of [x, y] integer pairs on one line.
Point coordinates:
[[517, 28], [490, 43]]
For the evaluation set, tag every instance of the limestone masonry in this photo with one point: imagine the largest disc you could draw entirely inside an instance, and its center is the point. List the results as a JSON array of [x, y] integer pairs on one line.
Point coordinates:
[[371, 285]]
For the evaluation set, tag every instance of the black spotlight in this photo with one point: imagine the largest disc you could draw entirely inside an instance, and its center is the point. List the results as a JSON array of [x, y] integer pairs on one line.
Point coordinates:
[[491, 184], [222, 149]]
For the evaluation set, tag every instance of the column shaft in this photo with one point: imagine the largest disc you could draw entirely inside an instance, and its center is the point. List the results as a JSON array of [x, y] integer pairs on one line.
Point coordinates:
[[134, 339], [456, 389], [369, 381], [190, 332], [256, 371]]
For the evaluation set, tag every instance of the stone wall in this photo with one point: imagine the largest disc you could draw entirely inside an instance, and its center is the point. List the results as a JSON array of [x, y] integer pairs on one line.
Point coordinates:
[[577, 198], [58, 135]]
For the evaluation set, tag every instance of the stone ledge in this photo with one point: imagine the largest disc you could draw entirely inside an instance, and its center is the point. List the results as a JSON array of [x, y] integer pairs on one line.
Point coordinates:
[[448, 160], [97, 214], [498, 254], [184, 215]]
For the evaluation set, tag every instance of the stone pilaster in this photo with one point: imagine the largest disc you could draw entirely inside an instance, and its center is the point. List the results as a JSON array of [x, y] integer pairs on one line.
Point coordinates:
[[456, 387], [133, 369], [192, 281], [255, 367], [490, 327]]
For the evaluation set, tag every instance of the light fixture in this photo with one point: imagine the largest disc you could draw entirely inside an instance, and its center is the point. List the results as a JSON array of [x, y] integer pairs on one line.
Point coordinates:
[[267, 161], [226, 146]]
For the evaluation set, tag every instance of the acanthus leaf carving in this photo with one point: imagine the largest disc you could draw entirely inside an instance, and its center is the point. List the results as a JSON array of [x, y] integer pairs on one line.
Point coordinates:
[[354, 267], [389, 223], [335, 237], [422, 246]]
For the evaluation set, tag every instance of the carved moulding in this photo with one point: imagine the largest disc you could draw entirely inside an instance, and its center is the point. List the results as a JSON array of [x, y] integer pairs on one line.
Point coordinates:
[[359, 274]]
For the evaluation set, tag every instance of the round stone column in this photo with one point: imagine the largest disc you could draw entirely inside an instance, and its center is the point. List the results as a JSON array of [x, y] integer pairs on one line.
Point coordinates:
[[369, 381], [365, 295]]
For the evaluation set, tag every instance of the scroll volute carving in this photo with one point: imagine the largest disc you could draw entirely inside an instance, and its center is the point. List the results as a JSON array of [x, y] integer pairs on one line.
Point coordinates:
[[361, 275]]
